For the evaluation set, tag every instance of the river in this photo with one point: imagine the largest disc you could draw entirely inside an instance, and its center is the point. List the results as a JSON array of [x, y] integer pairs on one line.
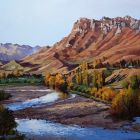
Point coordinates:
[[46, 130]]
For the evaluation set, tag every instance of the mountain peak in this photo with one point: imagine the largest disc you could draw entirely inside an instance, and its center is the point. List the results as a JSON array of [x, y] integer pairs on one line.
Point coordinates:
[[111, 38]]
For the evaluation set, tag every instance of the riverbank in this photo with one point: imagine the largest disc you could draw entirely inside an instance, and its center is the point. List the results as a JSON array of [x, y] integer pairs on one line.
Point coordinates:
[[79, 111], [71, 111], [23, 93]]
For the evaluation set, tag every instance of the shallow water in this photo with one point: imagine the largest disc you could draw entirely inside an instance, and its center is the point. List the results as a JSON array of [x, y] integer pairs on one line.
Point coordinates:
[[45, 130], [48, 98]]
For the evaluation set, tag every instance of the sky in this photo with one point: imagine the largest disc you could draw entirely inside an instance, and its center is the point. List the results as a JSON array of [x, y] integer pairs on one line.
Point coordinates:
[[45, 22]]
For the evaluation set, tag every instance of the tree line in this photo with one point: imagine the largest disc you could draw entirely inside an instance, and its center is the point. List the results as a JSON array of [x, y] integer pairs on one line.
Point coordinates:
[[124, 102]]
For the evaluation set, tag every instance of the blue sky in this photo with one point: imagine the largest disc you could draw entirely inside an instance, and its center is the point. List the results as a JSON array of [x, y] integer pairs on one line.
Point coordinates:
[[44, 22]]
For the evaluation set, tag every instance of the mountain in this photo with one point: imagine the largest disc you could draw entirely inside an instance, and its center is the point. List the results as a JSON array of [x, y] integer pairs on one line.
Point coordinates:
[[108, 39], [10, 51]]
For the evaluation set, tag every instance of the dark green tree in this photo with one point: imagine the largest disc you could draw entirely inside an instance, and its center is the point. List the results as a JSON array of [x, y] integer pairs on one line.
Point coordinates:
[[135, 83], [7, 121]]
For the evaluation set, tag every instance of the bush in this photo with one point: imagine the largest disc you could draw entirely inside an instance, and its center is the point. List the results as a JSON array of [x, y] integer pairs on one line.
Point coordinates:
[[125, 84], [83, 88], [93, 91], [7, 121], [127, 103], [63, 87], [107, 72], [105, 93], [4, 95], [70, 85], [135, 82], [8, 125], [75, 87]]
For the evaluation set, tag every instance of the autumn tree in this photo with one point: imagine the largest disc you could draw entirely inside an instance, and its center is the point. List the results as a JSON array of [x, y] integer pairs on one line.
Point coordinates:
[[135, 82], [84, 73], [79, 76], [61, 82], [47, 76], [126, 103], [51, 81], [95, 78], [98, 79], [94, 64]]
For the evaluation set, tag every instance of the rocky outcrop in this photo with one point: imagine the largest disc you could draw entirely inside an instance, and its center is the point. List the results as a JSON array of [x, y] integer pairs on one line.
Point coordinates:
[[113, 38]]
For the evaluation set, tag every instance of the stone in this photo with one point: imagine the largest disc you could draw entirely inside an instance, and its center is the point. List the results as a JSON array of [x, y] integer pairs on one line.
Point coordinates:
[[118, 31], [92, 25], [138, 30], [85, 25], [105, 30], [68, 45], [123, 24], [78, 30]]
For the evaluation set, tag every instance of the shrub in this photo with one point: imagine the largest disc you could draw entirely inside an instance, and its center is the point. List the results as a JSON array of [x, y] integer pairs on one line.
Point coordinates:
[[70, 85], [126, 103], [93, 91], [125, 84], [107, 72], [75, 87], [7, 121], [135, 82], [88, 90], [108, 94], [105, 93], [63, 87], [8, 125], [4, 95]]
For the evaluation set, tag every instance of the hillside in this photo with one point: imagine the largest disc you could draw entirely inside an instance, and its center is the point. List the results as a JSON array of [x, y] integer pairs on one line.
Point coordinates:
[[108, 39], [10, 51], [12, 65]]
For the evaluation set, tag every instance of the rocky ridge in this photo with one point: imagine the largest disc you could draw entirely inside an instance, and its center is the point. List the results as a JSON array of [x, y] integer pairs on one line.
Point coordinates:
[[109, 39]]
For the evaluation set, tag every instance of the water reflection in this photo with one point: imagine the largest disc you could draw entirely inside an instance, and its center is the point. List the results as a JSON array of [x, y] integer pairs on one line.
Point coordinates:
[[63, 95], [48, 98], [45, 130]]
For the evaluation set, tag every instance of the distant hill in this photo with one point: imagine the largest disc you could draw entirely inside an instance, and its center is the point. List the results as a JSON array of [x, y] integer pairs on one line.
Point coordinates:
[[109, 39], [10, 51], [12, 65]]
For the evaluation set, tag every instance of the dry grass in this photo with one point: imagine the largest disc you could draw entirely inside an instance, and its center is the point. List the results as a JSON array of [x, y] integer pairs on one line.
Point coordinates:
[[80, 105]]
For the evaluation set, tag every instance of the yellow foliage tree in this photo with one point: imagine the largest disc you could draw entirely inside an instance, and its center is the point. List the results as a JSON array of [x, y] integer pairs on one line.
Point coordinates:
[[47, 76], [59, 80], [84, 73], [126, 103], [51, 81]]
